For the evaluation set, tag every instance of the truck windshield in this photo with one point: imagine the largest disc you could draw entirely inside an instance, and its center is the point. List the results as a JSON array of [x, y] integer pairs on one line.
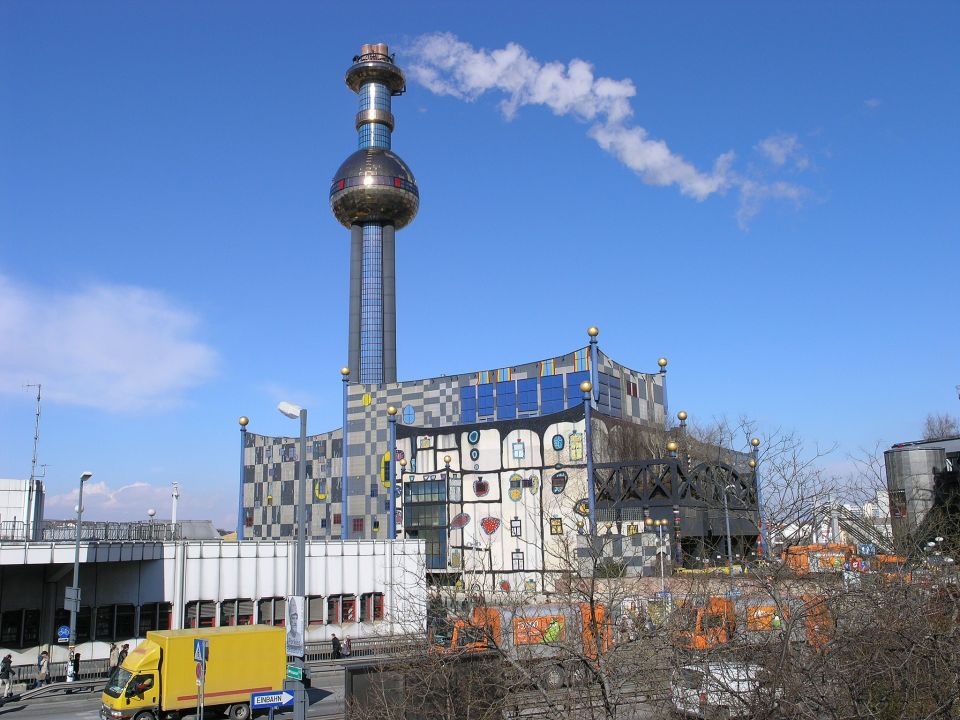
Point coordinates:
[[117, 682]]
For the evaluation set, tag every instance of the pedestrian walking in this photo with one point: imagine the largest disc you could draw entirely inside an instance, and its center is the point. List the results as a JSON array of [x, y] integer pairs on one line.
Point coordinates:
[[76, 666], [347, 647], [123, 654], [43, 670], [6, 676], [335, 644], [114, 656]]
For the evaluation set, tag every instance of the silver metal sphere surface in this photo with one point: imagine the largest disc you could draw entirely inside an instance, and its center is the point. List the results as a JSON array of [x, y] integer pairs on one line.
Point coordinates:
[[374, 185]]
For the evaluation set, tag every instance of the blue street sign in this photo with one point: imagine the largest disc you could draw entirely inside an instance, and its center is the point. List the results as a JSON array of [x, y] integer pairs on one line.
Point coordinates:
[[262, 700], [867, 549], [201, 650], [63, 633], [734, 593], [663, 594]]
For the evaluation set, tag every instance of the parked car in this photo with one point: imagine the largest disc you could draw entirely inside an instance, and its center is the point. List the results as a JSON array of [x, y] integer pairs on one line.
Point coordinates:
[[721, 690]]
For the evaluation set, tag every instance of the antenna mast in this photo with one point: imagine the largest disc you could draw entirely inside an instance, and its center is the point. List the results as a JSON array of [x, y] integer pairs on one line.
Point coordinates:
[[36, 436]]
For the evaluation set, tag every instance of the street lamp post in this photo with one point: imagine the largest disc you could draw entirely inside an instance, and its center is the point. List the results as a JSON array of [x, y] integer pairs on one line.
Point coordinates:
[[661, 550], [586, 387], [726, 515], [73, 593], [345, 532], [300, 580], [392, 490]]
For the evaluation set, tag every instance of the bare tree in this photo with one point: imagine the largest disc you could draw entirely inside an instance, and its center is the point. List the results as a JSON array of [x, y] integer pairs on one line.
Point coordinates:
[[939, 426]]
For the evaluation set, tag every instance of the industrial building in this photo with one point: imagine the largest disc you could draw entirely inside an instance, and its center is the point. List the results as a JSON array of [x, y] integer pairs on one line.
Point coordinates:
[[922, 478], [490, 466]]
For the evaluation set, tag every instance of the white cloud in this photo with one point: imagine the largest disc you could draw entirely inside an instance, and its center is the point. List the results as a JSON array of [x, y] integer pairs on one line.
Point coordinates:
[[754, 194], [781, 148], [446, 65], [130, 502], [873, 103], [113, 347]]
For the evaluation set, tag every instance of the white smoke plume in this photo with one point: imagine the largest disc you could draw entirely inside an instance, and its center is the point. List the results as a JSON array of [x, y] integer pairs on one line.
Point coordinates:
[[446, 65]]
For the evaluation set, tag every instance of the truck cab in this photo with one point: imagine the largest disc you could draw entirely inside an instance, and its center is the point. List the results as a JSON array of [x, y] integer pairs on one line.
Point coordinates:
[[133, 690]]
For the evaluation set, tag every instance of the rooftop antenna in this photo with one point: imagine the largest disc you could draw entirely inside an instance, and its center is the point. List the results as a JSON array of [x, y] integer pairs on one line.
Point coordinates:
[[36, 436]]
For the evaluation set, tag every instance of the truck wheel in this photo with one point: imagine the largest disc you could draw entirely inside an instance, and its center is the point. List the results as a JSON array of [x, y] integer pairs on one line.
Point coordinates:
[[145, 715], [239, 712]]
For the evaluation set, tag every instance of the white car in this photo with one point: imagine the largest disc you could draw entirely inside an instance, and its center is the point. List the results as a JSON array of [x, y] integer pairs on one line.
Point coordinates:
[[720, 690]]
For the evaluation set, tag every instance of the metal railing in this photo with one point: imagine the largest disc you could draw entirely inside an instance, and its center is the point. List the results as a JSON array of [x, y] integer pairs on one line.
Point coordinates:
[[66, 531]]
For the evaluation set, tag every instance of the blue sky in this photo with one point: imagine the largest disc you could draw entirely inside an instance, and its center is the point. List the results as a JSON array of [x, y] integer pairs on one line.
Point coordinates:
[[763, 192]]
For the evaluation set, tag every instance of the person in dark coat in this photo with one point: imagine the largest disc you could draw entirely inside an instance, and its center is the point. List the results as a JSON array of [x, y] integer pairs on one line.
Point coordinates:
[[335, 644], [123, 654], [76, 666], [6, 676]]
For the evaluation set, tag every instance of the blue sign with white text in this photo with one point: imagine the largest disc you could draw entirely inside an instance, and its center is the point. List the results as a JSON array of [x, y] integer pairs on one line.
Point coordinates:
[[63, 633], [280, 698]]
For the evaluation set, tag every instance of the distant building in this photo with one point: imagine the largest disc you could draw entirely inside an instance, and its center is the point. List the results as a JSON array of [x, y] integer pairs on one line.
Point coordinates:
[[921, 477], [21, 508]]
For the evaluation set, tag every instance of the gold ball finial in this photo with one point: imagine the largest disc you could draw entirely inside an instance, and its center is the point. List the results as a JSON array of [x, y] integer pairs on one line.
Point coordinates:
[[672, 446], [403, 462], [648, 522], [752, 463], [755, 442], [593, 331], [662, 362], [345, 371], [682, 415], [446, 459], [244, 421], [586, 386], [391, 411]]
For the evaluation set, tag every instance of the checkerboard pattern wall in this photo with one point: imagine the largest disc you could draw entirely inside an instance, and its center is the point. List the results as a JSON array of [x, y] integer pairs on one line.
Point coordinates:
[[269, 490]]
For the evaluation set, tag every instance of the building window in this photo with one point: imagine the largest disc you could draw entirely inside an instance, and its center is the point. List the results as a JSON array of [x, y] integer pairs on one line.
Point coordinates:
[[155, 616], [200, 614], [356, 525], [485, 400], [323, 523], [574, 393], [333, 610], [271, 611], [551, 393], [374, 491], [315, 610], [468, 404], [556, 526], [506, 400], [348, 608], [515, 527], [409, 415], [527, 396], [516, 559], [236, 612], [455, 491], [336, 518], [371, 607]]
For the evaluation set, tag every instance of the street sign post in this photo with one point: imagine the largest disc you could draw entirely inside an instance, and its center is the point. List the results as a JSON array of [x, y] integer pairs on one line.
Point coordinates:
[[201, 650], [63, 634], [294, 672], [201, 653], [266, 700], [71, 599]]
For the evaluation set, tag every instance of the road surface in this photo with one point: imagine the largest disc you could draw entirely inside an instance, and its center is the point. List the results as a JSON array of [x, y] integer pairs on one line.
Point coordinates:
[[326, 702]]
